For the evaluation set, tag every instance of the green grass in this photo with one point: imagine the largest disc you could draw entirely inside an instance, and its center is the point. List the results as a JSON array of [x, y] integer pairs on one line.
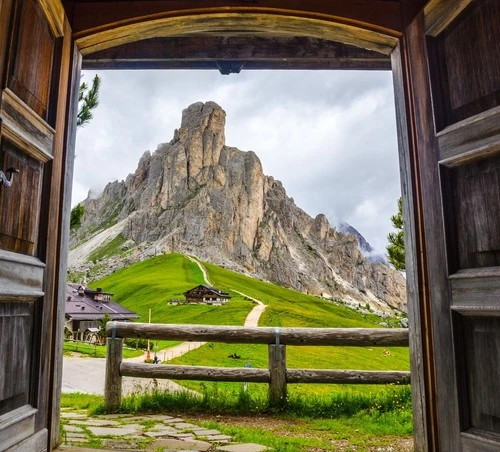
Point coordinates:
[[98, 351], [149, 284], [344, 422], [152, 283], [289, 308], [82, 401], [363, 420]]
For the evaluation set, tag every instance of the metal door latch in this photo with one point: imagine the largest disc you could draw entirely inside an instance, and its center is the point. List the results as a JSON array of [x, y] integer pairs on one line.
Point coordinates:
[[3, 178]]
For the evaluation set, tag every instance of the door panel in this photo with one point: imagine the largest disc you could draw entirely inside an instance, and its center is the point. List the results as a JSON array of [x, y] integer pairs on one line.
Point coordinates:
[[35, 45], [455, 73], [35, 63]]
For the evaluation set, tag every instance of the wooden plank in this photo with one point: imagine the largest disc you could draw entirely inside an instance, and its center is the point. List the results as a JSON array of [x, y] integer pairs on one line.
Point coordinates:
[[220, 23], [5, 31], [419, 347], [278, 375], [435, 303], [113, 382], [357, 337], [368, 377], [21, 277], [475, 440], [25, 128], [250, 52], [30, 75], [471, 42], [19, 228], [476, 290], [203, 373], [34, 443], [441, 13], [16, 326], [69, 116], [471, 138], [54, 14], [382, 14], [16, 426]]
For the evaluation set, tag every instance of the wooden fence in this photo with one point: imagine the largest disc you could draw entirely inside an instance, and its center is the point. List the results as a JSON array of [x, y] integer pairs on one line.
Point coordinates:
[[276, 375]]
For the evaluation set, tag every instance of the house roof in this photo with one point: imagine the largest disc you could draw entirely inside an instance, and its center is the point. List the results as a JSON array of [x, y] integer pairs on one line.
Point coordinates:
[[209, 289], [84, 307]]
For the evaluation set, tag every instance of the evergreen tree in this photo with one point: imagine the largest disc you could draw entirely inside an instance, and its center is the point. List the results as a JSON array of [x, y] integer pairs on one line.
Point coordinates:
[[88, 100], [396, 247], [75, 220]]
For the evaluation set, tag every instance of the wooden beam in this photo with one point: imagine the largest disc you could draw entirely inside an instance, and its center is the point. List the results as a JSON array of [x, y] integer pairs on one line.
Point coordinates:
[[202, 373], [248, 52], [440, 13], [89, 15], [356, 337], [230, 24], [367, 377]]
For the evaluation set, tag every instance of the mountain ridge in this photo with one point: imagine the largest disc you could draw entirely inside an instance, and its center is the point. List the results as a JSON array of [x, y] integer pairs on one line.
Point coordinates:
[[195, 195]]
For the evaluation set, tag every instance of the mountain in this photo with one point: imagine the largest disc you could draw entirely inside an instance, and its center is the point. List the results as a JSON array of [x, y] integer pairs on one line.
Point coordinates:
[[195, 195], [368, 251]]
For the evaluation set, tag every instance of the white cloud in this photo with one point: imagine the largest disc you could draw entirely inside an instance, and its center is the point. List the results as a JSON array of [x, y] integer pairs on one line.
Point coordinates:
[[329, 136]]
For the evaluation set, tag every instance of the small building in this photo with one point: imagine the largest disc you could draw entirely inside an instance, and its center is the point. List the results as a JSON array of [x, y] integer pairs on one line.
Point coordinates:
[[206, 294], [85, 308]]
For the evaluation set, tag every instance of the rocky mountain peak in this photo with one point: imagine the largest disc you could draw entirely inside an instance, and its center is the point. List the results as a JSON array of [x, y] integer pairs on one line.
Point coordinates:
[[195, 195]]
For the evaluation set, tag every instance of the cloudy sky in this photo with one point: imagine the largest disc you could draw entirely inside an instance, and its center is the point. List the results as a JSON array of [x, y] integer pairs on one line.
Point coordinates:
[[329, 136]]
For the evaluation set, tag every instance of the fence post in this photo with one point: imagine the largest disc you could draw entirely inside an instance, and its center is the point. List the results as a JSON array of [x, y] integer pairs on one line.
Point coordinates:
[[113, 383], [277, 371]]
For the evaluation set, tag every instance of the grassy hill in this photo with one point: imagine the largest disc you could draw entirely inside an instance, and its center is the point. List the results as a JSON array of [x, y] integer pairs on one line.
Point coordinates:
[[150, 284]]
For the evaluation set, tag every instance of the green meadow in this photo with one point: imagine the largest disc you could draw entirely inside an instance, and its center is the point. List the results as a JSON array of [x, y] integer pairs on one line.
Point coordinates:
[[149, 285]]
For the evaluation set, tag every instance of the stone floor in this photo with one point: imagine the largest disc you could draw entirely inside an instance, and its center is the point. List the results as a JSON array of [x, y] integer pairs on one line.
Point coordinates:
[[158, 433]]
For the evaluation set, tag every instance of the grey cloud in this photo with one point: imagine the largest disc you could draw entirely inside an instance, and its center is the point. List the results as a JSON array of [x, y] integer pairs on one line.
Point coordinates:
[[328, 135]]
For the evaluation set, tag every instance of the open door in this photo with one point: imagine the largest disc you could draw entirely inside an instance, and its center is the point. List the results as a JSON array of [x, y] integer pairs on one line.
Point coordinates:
[[452, 55], [35, 54]]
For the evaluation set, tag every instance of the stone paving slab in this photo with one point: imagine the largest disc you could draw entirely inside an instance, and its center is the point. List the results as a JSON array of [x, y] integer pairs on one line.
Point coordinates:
[[73, 428], [182, 435], [69, 415], [174, 420], [163, 432], [77, 440], [249, 447], [160, 417], [99, 422], [185, 426], [168, 433], [206, 432], [177, 444], [112, 431], [218, 438]]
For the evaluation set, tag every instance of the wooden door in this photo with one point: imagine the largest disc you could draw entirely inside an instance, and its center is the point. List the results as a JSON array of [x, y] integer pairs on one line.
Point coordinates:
[[34, 66], [452, 67]]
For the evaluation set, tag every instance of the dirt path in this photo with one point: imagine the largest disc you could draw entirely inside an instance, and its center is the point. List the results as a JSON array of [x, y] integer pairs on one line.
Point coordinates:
[[253, 316]]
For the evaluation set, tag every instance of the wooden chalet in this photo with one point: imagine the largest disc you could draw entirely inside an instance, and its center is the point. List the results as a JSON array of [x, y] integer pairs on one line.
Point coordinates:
[[206, 294], [445, 59], [85, 308]]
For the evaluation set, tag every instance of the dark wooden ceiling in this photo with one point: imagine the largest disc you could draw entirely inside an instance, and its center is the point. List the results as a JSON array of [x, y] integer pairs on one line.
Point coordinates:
[[231, 49]]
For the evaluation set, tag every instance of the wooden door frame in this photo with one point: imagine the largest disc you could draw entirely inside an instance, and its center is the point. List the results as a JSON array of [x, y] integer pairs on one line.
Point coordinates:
[[393, 43]]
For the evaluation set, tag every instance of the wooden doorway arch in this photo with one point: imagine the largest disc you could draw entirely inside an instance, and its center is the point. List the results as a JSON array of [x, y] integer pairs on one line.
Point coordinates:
[[449, 135]]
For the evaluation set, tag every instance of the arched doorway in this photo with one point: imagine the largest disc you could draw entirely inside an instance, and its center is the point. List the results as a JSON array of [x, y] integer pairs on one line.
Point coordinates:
[[448, 133]]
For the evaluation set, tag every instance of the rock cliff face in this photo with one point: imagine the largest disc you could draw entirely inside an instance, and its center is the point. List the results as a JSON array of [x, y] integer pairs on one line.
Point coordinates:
[[196, 195]]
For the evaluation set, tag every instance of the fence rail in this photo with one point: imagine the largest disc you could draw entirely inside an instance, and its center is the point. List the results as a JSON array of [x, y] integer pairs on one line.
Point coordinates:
[[277, 375]]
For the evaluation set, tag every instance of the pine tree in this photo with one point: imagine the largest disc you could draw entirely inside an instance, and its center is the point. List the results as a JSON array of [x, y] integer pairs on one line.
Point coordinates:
[[88, 100], [76, 215], [396, 247]]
